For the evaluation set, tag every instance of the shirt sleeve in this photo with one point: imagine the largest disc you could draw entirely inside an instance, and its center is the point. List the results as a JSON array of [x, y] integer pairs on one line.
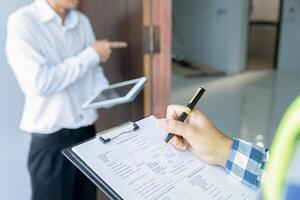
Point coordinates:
[[34, 74], [246, 162]]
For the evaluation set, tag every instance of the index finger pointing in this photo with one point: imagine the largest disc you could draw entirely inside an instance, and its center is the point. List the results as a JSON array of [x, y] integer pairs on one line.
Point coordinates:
[[117, 45]]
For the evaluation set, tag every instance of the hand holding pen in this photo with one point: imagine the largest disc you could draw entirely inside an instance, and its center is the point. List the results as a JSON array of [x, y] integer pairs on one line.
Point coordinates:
[[197, 134], [187, 111]]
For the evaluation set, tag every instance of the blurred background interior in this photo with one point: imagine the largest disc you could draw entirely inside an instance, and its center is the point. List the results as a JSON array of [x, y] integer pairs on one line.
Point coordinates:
[[245, 53]]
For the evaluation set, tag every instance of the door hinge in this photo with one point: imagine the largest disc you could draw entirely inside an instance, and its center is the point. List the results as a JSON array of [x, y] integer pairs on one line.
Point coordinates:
[[151, 39]]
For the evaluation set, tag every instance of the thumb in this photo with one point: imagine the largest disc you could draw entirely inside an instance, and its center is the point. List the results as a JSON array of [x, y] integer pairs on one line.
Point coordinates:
[[176, 127]]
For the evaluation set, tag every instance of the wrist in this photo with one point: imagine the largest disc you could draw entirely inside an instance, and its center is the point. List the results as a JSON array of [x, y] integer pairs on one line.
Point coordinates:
[[90, 57], [224, 151]]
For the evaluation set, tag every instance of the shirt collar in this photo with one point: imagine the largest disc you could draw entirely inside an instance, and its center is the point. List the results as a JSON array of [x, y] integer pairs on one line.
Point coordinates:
[[71, 19], [46, 14]]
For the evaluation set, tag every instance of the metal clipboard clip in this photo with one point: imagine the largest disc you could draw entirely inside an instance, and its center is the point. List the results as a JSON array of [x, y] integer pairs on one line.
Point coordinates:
[[129, 127]]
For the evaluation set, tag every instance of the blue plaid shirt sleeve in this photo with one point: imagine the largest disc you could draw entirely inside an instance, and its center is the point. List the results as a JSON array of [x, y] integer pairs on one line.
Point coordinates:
[[246, 162]]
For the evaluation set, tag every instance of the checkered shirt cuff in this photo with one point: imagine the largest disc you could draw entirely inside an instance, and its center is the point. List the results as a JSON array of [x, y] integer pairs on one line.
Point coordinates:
[[246, 162]]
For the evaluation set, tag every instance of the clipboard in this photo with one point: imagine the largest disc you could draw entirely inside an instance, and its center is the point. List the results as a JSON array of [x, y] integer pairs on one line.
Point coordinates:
[[87, 171], [136, 145]]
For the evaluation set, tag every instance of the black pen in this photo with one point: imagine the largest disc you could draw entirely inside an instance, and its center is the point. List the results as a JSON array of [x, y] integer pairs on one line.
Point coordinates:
[[187, 111]]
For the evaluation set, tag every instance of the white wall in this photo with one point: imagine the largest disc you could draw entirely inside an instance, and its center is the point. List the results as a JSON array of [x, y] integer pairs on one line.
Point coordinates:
[[265, 10], [213, 32], [14, 181], [289, 46]]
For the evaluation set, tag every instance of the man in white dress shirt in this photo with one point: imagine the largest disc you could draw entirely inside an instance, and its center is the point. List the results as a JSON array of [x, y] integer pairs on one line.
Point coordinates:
[[53, 52]]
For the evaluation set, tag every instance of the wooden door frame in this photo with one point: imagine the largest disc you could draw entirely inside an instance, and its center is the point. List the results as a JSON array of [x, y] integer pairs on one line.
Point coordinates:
[[147, 22], [157, 66]]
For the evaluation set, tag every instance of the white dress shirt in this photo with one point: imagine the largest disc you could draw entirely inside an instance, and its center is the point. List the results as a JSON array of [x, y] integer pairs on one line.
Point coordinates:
[[55, 66]]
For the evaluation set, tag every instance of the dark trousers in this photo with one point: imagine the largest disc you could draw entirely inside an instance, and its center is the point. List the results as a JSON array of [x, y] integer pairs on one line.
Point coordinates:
[[53, 177]]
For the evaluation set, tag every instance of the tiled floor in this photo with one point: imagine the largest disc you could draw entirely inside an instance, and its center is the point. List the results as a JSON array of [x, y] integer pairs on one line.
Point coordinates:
[[249, 105]]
